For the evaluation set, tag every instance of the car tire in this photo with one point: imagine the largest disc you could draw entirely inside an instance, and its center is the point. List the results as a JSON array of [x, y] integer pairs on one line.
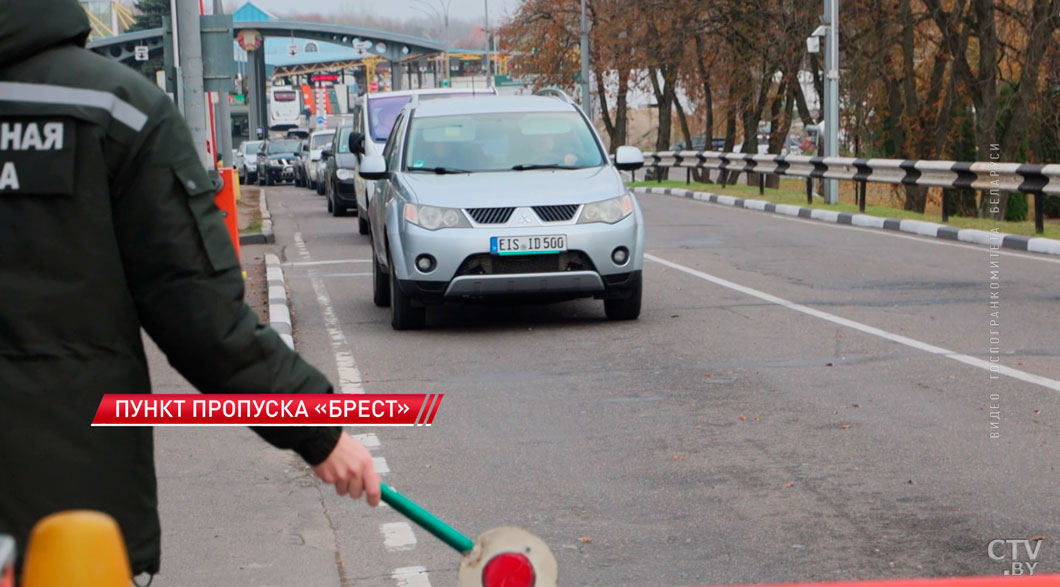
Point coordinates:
[[252, 178], [380, 283], [337, 210], [403, 315], [320, 188], [327, 198], [269, 180], [312, 185], [626, 308], [362, 221]]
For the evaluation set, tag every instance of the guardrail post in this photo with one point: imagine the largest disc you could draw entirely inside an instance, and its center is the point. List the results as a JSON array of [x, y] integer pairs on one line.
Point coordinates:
[[658, 174], [1039, 212], [945, 205], [761, 184], [809, 191], [861, 201], [688, 176]]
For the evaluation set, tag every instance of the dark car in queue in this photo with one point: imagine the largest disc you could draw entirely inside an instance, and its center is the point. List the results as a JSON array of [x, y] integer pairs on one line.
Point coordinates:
[[340, 170], [276, 160]]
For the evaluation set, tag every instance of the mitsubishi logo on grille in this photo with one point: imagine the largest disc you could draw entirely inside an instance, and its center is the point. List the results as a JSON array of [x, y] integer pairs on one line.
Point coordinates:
[[524, 218]]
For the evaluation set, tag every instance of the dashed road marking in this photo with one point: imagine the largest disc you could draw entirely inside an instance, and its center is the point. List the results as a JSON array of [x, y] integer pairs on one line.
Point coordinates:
[[349, 375], [332, 262], [411, 577], [398, 536]]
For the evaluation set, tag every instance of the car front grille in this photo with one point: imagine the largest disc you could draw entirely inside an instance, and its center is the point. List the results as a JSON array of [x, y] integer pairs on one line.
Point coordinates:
[[490, 215], [556, 213], [486, 264]]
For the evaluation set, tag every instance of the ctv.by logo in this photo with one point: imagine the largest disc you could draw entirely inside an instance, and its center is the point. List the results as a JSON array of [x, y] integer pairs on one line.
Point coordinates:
[[1023, 560]]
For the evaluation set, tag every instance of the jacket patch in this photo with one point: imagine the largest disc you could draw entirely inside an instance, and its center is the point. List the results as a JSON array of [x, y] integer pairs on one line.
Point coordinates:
[[37, 156]]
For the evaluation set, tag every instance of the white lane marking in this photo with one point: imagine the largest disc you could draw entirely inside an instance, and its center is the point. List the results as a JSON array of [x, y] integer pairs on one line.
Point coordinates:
[[331, 275], [398, 536], [916, 344], [313, 263], [411, 577], [349, 375], [874, 222], [368, 440]]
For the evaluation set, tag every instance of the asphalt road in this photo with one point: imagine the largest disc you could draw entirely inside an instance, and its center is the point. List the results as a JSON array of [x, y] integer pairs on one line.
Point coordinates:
[[831, 422]]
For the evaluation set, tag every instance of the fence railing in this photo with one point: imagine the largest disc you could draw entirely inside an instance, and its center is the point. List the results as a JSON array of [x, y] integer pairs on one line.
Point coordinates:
[[1039, 180]]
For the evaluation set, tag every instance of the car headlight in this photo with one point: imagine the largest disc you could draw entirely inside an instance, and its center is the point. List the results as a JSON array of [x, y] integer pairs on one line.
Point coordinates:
[[275, 163], [344, 174], [433, 217], [610, 211], [252, 166]]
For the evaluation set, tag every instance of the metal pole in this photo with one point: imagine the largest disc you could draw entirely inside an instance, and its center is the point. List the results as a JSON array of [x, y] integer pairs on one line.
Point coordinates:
[[489, 62], [586, 106], [831, 94], [187, 18], [224, 113], [1039, 212]]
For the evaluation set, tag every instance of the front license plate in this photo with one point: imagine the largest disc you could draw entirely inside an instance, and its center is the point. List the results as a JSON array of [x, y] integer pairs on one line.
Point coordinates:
[[528, 245]]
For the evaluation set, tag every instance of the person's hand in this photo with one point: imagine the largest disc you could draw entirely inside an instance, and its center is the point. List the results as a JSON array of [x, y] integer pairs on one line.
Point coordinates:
[[349, 468], [570, 159]]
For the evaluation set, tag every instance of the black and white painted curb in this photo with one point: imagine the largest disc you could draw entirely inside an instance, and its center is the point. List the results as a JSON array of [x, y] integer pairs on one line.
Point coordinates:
[[266, 218], [279, 306], [968, 235]]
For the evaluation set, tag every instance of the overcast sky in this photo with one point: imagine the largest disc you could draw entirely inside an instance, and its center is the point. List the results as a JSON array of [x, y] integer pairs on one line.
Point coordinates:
[[465, 9]]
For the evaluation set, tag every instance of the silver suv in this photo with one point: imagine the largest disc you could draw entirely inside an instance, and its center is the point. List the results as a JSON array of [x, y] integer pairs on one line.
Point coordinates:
[[501, 197]]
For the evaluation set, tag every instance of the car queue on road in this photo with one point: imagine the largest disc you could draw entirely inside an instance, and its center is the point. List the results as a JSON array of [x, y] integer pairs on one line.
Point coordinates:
[[476, 197]]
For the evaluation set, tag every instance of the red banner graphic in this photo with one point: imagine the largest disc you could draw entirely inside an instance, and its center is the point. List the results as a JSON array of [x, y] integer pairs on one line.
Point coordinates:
[[268, 409]]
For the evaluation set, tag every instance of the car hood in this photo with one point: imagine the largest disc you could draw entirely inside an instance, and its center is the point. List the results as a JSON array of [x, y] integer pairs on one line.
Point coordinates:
[[346, 160], [545, 187], [282, 156]]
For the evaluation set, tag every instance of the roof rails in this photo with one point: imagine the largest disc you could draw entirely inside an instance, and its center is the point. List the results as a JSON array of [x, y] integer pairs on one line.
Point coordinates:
[[554, 93]]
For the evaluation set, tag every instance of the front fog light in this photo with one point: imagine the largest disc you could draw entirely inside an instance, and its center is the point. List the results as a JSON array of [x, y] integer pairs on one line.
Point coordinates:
[[425, 263], [620, 255]]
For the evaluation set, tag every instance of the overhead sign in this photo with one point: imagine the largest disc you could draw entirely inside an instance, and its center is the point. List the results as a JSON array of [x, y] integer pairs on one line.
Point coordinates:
[[292, 49], [140, 53], [326, 77]]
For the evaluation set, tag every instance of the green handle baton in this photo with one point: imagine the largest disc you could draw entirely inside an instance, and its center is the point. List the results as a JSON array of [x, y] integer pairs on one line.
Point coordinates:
[[426, 520]]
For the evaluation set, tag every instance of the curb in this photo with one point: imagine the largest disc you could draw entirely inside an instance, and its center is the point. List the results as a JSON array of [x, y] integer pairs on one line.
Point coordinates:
[[266, 235], [279, 306], [969, 235]]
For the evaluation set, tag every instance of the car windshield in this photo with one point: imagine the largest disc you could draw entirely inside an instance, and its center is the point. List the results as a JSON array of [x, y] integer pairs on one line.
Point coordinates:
[[253, 148], [283, 147], [321, 140], [501, 141], [383, 111], [344, 140]]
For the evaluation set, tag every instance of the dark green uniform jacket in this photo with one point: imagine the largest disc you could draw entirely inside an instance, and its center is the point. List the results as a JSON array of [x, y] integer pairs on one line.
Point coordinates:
[[107, 226]]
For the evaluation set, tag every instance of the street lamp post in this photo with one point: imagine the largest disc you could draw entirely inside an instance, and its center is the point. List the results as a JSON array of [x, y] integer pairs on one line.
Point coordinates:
[[586, 106], [831, 94], [441, 12], [489, 61]]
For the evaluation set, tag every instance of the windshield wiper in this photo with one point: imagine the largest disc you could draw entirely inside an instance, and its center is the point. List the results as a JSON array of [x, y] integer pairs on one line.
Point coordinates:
[[440, 170], [526, 166]]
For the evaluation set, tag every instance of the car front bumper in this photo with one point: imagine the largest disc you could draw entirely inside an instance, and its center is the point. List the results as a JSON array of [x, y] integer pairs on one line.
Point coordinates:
[[465, 268]]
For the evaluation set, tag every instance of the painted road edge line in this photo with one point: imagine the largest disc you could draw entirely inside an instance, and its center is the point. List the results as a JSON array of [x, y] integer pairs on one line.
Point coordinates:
[[1003, 240], [904, 340]]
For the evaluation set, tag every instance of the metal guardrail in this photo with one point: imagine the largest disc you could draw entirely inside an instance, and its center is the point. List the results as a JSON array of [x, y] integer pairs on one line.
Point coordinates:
[[1039, 180]]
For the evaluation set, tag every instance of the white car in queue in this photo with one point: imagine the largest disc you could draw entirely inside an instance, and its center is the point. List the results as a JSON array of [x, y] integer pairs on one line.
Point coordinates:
[[373, 118], [502, 198], [318, 141]]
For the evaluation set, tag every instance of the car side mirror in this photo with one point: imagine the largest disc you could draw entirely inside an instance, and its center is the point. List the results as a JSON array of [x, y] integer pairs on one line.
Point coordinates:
[[326, 154], [356, 142], [373, 167], [628, 158]]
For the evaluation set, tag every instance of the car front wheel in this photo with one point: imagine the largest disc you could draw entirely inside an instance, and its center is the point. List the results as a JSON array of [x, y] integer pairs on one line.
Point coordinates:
[[403, 315], [362, 221], [380, 283], [627, 308]]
